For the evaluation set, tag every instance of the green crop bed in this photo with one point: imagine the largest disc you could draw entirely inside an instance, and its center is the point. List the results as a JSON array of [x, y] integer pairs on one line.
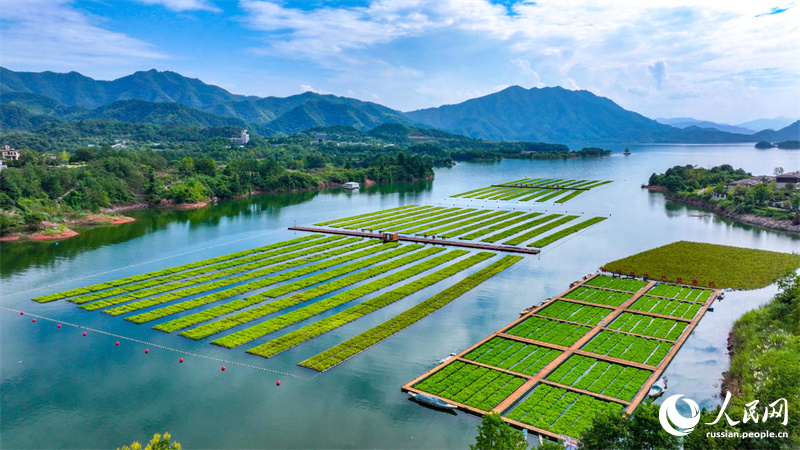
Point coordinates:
[[157, 285], [481, 217], [355, 312], [560, 411], [470, 214], [512, 355], [549, 239], [656, 327], [598, 296], [534, 189], [359, 343], [600, 377], [309, 268], [519, 228], [618, 284], [575, 312], [471, 385], [230, 276], [499, 226], [377, 220], [680, 292], [499, 217], [420, 219], [537, 231], [371, 214], [631, 348], [472, 192], [151, 276], [233, 276], [497, 191], [726, 267], [550, 331], [673, 308], [206, 330]]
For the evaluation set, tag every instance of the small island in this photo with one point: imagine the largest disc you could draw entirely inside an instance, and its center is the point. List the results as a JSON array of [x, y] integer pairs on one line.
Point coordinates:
[[770, 202]]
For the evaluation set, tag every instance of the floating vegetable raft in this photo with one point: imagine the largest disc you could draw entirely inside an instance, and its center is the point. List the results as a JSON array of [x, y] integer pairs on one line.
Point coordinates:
[[596, 347]]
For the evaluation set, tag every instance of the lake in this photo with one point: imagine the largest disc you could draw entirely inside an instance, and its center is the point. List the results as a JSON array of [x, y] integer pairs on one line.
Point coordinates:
[[60, 389]]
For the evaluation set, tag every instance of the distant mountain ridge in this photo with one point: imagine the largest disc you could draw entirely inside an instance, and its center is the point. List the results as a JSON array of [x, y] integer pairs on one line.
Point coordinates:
[[515, 114], [686, 122]]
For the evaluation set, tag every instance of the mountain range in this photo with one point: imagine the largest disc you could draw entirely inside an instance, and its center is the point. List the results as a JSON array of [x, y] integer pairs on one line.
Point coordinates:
[[29, 99]]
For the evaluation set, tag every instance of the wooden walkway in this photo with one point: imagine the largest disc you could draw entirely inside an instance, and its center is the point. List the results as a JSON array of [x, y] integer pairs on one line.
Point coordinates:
[[419, 240], [574, 349]]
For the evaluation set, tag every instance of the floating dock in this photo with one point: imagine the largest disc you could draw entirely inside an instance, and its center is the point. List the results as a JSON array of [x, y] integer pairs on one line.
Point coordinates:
[[422, 240], [505, 406]]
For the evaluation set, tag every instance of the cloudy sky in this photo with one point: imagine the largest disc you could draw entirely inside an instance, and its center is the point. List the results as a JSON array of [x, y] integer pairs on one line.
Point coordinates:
[[726, 61]]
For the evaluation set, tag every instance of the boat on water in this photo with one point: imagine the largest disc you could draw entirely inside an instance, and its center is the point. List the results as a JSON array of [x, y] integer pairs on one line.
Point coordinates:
[[351, 185], [452, 355], [658, 388], [430, 400]]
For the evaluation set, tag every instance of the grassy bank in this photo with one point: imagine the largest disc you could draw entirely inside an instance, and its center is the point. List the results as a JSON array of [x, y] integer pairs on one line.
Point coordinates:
[[727, 267]]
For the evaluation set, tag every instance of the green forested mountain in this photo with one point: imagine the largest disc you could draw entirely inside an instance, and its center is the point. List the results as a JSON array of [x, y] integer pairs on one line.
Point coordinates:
[[74, 89], [140, 111], [513, 114], [557, 115]]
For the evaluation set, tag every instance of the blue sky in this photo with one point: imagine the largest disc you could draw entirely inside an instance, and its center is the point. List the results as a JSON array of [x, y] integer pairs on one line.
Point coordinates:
[[727, 61]]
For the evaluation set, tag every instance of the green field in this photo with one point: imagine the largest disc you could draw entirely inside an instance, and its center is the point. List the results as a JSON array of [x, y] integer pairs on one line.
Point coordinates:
[[631, 348], [560, 411], [550, 331], [361, 342], [472, 385], [726, 267], [518, 357], [534, 189], [598, 296], [600, 377]]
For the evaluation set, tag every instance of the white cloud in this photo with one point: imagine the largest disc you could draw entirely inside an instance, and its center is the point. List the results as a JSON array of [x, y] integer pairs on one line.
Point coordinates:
[[60, 37], [183, 5], [617, 48], [525, 68]]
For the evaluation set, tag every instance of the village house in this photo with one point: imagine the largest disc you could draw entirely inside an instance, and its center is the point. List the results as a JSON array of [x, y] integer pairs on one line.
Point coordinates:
[[7, 153]]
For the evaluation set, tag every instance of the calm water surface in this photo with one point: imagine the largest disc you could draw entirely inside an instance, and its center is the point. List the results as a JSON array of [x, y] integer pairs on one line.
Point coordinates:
[[60, 389]]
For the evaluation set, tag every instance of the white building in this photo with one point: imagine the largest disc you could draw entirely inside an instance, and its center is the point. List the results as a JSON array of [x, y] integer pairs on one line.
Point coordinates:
[[8, 153], [243, 138]]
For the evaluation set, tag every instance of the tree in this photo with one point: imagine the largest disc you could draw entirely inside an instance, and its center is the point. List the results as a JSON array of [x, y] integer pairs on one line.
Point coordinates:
[[159, 442], [642, 430], [496, 434], [778, 171]]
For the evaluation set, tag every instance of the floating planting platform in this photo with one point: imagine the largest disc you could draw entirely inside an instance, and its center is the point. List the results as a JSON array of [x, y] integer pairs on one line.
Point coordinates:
[[488, 229], [598, 346], [534, 189], [244, 296]]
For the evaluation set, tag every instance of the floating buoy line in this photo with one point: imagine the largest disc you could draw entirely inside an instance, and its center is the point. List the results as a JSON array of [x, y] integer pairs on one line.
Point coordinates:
[[150, 344]]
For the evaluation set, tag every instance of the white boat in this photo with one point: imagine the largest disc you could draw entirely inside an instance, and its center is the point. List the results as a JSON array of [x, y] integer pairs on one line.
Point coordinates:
[[452, 355], [352, 185], [658, 388], [430, 400]]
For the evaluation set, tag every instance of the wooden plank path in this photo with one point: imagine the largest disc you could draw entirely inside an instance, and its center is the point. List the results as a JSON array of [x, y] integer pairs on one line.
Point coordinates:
[[419, 240], [574, 349]]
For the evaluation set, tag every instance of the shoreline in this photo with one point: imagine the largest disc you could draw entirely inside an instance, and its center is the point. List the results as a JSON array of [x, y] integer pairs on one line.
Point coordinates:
[[46, 234], [767, 223]]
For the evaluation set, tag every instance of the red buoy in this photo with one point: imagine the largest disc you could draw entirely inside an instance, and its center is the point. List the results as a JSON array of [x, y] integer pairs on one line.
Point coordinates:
[[117, 342], [84, 333], [21, 313], [146, 351], [277, 383], [180, 360], [223, 368], [59, 325], [34, 320]]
